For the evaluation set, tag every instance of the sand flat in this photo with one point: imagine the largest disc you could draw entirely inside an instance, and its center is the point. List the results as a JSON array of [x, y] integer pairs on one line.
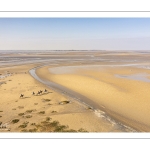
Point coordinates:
[[26, 109], [122, 103], [117, 95]]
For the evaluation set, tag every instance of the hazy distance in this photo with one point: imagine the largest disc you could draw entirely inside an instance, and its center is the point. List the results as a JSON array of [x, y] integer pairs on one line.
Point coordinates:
[[74, 33]]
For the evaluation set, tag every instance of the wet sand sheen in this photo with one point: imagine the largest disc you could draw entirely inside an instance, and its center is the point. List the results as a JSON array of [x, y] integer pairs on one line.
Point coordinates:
[[111, 99], [84, 100], [120, 100]]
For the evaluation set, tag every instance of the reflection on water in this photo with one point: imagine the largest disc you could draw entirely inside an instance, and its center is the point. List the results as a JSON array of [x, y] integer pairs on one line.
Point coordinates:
[[139, 77]]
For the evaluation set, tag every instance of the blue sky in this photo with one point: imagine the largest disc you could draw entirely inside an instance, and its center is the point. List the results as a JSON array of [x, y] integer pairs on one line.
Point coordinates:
[[75, 33]]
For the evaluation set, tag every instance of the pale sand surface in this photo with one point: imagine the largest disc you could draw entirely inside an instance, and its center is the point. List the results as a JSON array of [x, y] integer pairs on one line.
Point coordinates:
[[94, 73], [126, 100], [75, 115]]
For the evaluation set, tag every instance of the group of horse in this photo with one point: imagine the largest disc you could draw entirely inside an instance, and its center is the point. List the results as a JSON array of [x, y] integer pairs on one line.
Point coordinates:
[[38, 93]]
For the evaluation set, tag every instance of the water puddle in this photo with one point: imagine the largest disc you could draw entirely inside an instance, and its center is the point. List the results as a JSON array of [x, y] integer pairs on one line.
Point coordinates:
[[139, 77]]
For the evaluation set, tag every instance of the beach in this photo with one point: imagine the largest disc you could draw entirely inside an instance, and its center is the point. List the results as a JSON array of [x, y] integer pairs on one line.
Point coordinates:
[[92, 91]]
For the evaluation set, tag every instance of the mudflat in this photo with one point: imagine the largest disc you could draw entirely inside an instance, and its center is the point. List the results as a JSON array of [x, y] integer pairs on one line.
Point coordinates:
[[116, 85]]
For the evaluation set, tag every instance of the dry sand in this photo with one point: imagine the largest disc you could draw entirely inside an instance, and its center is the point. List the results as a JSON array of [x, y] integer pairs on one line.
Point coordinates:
[[75, 115], [128, 101], [124, 101]]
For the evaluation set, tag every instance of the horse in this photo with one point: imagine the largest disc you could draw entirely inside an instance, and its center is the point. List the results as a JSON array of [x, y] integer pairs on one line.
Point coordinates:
[[38, 92], [41, 91], [21, 95]]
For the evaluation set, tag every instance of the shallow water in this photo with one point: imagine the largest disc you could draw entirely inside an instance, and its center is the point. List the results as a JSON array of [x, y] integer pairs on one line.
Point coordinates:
[[139, 77], [84, 100]]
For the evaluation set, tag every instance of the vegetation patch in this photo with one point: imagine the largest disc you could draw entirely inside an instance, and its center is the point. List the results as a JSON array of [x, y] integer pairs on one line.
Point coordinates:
[[54, 111], [24, 130], [48, 126], [0, 116], [15, 121], [33, 124], [24, 125], [48, 118], [20, 114], [82, 130], [28, 116], [1, 111], [60, 128], [29, 111], [33, 130], [42, 112]]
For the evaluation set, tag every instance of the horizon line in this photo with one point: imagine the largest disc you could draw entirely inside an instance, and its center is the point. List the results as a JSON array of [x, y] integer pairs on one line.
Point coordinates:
[[71, 50]]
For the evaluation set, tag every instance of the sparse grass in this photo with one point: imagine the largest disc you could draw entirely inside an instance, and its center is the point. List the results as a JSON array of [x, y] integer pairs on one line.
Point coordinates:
[[15, 121], [48, 118], [82, 130], [1, 111], [49, 104], [0, 116], [60, 128], [33, 124], [29, 111], [35, 103], [55, 127], [24, 125], [42, 112], [54, 123], [14, 109], [24, 130], [70, 130], [28, 116], [54, 111], [20, 114], [33, 130], [47, 126]]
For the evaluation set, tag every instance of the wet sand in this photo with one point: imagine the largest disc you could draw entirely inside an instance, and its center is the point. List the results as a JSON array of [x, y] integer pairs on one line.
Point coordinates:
[[124, 99], [100, 86]]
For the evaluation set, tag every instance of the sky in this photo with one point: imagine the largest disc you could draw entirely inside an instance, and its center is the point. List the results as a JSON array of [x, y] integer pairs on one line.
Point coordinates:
[[74, 33]]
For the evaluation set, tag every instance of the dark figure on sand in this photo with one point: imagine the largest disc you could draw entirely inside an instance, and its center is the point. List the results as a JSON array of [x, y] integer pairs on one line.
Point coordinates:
[[41, 91], [38, 93], [21, 95]]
